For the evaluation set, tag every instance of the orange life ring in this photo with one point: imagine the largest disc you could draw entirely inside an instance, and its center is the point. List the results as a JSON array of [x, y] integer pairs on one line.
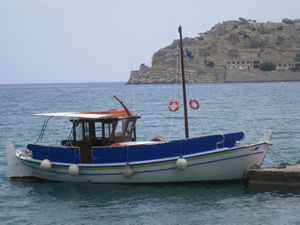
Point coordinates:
[[197, 104], [116, 144], [156, 139], [170, 106]]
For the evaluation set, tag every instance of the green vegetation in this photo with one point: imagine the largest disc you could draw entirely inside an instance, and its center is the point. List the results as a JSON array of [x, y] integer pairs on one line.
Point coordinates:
[[288, 21], [280, 28], [246, 36], [267, 66], [210, 64], [280, 39], [201, 72], [243, 21]]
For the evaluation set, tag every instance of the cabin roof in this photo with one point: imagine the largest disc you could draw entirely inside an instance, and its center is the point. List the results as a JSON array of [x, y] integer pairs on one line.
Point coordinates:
[[88, 115]]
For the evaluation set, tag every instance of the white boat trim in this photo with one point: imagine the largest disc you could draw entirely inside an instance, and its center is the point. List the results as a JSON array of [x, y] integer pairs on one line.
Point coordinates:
[[75, 115]]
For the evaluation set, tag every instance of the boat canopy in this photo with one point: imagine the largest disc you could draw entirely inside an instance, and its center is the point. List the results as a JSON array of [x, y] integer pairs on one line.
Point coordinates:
[[87, 115], [73, 115]]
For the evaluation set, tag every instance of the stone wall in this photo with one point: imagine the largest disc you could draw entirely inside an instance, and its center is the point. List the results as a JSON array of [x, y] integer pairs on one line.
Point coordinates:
[[216, 76], [250, 76]]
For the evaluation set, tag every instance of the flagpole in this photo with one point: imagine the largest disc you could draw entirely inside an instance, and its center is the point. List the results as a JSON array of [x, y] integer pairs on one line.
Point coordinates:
[[183, 86]]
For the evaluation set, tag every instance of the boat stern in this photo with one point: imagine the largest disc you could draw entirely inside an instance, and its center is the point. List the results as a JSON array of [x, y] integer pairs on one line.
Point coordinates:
[[15, 168]]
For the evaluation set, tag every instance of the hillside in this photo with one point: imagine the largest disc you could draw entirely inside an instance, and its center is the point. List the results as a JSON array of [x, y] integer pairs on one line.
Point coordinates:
[[228, 50]]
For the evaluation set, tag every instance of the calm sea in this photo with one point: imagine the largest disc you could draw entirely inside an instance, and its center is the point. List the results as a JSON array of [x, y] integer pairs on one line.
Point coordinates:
[[228, 107]]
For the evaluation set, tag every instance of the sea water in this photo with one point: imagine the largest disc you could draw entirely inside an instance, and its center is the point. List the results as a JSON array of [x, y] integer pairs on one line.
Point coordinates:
[[228, 107]]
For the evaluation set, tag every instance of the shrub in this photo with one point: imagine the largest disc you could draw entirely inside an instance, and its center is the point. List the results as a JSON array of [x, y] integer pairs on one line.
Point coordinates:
[[280, 28], [210, 64], [280, 39], [246, 36], [288, 21], [267, 66], [242, 20]]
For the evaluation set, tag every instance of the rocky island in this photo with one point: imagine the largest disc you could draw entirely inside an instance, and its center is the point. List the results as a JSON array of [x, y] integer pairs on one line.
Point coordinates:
[[232, 51]]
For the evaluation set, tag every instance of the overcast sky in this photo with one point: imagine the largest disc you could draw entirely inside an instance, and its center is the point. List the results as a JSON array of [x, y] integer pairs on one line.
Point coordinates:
[[59, 41]]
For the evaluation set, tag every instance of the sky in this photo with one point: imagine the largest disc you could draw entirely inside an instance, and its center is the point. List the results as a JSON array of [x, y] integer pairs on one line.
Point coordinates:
[[66, 41]]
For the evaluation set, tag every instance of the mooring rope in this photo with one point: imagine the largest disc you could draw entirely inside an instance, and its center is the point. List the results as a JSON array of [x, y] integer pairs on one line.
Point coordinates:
[[281, 156], [270, 148]]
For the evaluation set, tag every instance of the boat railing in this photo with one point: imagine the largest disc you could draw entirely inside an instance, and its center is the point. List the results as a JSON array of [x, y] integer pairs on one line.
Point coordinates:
[[244, 136], [43, 129], [221, 142]]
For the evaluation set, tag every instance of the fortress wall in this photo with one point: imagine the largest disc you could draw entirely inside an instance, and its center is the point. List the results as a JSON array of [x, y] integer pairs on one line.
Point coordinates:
[[247, 76]]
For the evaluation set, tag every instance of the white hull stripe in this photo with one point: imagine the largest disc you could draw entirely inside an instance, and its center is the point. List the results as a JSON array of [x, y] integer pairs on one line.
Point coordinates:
[[147, 171]]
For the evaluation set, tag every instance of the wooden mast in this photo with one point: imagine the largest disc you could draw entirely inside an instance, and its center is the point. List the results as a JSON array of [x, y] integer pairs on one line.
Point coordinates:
[[183, 87]]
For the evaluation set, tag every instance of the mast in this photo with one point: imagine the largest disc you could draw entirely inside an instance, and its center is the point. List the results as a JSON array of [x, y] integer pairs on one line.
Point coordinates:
[[183, 86]]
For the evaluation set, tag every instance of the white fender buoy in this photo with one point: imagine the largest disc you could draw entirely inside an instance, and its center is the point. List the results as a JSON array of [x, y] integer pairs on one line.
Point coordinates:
[[181, 163], [127, 171], [46, 164], [73, 170]]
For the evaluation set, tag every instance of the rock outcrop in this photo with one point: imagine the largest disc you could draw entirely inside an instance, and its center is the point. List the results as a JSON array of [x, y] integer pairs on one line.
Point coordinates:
[[230, 52]]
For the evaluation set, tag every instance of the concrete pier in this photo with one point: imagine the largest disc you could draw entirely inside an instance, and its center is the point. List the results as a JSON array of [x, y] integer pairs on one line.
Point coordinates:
[[282, 176]]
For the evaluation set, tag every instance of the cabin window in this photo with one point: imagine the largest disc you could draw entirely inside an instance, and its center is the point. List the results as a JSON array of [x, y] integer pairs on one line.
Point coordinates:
[[120, 127], [79, 132], [98, 130], [82, 132], [130, 126], [108, 130]]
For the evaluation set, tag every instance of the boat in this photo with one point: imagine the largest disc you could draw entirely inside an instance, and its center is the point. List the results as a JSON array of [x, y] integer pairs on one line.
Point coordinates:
[[102, 148]]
